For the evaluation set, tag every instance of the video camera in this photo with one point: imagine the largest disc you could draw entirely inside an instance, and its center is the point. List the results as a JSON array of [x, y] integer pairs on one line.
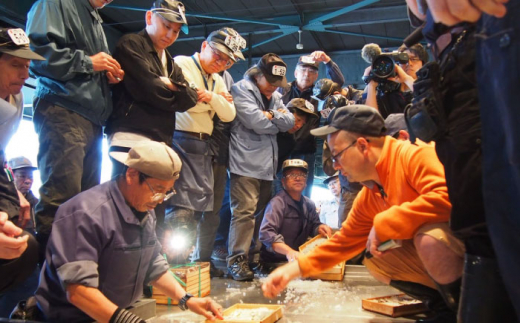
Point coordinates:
[[383, 66]]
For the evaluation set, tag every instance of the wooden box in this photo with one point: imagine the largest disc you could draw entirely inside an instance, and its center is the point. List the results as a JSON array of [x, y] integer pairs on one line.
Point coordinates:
[[196, 278], [335, 273], [394, 305], [275, 315]]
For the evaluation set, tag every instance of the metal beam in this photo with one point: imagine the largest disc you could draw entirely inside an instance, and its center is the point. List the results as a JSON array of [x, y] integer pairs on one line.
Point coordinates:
[[360, 34], [271, 39], [343, 11]]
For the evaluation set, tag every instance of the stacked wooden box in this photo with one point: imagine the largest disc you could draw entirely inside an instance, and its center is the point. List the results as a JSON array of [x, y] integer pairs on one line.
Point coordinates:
[[335, 273], [194, 276], [275, 315]]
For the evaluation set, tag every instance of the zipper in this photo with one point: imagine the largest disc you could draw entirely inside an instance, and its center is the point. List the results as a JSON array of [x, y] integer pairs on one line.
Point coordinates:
[[129, 108]]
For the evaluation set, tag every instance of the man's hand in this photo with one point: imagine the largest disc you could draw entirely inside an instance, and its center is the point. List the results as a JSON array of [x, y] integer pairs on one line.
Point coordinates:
[[205, 306], [325, 230], [104, 62], [169, 84], [452, 12], [11, 244], [320, 56], [292, 255], [204, 96], [227, 96], [267, 115], [25, 210], [373, 243], [112, 79], [279, 278]]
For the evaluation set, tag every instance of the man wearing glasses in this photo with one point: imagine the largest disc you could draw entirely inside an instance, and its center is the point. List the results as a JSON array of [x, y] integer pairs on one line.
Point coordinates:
[[404, 200], [290, 218], [103, 247], [194, 127]]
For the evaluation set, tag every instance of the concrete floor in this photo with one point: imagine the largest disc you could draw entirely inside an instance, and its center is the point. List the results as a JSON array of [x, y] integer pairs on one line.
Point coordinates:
[[306, 301]]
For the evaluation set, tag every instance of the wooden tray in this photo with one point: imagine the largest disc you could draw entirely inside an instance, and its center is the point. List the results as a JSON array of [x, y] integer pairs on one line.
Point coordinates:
[[335, 273], [385, 305], [190, 276], [277, 313]]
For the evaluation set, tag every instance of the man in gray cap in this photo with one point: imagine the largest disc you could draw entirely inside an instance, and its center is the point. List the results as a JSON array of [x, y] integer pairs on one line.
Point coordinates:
[[23, 179], [96, 270], [72, 100], [253, 156], [404, 201], [18, 249], [194, 127]]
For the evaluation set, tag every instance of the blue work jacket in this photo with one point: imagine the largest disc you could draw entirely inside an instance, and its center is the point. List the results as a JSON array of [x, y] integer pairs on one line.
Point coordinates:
[[253, 151]]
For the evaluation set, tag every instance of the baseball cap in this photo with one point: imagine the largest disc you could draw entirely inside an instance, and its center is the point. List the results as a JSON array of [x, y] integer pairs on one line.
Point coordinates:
[[301, 104], [394, 123], [173, 11], [14, 41], [295, 163], [228, 41], [21, 162], [151, 158], [323, 88], [330, 178], [274, 69], [356, 118], [307, 60]]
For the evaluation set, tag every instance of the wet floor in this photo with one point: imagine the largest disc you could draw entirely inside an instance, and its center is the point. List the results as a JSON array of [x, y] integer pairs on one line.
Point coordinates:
[[306, 301]]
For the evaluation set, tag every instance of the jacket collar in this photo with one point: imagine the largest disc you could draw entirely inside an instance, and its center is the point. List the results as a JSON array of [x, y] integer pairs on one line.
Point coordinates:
[[151, 49]]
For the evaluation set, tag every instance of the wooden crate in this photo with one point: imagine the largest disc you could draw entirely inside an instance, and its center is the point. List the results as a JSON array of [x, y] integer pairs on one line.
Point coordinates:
[[387, 305], [189, 274], [335, 273], [277, 313]]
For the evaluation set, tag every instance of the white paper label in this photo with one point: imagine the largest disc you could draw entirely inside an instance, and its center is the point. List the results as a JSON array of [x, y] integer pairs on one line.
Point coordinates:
[[279, 70], [18, 36]]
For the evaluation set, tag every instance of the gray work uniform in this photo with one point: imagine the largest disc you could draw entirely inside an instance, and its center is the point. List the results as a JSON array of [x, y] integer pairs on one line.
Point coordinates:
[[97, 241]]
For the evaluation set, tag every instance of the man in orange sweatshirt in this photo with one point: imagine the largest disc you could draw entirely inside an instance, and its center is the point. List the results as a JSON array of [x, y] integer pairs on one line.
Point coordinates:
[[404, 198]]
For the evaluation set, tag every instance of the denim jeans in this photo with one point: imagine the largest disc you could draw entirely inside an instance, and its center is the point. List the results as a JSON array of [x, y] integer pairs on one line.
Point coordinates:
[[498, 73], [249, 197]]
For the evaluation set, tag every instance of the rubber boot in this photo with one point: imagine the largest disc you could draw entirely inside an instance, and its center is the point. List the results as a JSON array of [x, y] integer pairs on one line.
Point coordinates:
[[431, 298], [484, 297], [451, 293]]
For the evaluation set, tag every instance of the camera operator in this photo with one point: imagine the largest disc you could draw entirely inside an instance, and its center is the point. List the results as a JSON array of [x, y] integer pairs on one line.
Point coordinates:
[[393, 93]]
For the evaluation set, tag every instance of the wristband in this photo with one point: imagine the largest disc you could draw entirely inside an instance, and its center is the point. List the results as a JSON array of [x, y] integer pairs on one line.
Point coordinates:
[[123, 316]]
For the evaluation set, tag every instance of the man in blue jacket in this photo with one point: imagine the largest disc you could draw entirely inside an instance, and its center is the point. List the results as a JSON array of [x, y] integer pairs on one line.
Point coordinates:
[[253, 156], [72, 100], [290, 218]]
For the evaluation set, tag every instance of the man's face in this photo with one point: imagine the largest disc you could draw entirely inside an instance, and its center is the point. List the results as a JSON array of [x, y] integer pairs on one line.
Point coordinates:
[[99, 4], [141, 195], [294, 180], [348, 156], [23, 179], [299, 121], [265, 87], [334, 187], [305, 76], [162, 32], [414, 64], [213, 60], [13, 73]]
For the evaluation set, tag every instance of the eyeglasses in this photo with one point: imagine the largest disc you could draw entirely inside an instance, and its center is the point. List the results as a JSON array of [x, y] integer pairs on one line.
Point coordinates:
[[218, 58], [412, 59], [335, 157], [158, 197], [296, 176]]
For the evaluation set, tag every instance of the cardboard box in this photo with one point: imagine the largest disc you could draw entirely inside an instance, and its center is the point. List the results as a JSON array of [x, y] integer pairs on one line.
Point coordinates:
[[196, 278], [335, 273], [394, 305], [276, 314]]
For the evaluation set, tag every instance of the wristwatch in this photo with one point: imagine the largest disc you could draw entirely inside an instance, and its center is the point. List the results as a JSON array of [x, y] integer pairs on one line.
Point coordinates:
[[271, 113], [184, 299]]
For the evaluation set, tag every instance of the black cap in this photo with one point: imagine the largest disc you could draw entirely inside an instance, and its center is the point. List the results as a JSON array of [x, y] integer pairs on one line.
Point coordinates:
[[173, 11], [334, 101], [357, 118], [228, 41], [14, 41], [274, 69], [394, 123], [324, 88], [307, 60], [302, 105]]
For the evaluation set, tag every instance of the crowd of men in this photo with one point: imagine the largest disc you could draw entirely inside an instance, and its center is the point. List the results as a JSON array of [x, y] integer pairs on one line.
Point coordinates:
[[181, 133]]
